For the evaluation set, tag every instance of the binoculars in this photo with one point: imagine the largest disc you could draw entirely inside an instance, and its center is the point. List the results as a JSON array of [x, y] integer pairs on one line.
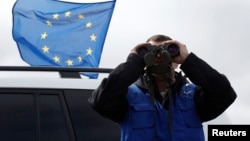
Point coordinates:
[[166, 51]]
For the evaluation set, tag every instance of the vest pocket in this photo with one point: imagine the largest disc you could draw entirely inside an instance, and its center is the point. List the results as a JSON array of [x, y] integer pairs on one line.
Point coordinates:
[[142, 116], [190, 115]]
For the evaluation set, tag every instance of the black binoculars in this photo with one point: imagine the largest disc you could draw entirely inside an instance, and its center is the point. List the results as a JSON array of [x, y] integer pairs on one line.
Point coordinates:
[[166, 51]]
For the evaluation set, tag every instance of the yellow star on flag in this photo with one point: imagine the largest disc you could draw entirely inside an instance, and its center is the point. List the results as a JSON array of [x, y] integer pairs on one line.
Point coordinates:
[[69, 62], [56, 16], [89, 25], [67, 14], [49, 23], [81, 16], [44, 35], [89, 51], [45, 49], [56, 59], [93, 37], [79, 58]]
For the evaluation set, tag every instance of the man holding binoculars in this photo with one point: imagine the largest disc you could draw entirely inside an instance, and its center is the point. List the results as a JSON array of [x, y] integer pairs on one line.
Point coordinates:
[[151, 101]]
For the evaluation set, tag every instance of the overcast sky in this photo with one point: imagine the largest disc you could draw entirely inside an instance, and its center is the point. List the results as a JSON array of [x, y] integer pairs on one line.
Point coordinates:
[[215, 30]]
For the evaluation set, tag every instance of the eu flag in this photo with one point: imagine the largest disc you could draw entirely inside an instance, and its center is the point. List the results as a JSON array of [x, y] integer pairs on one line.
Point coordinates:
[[57, 33]]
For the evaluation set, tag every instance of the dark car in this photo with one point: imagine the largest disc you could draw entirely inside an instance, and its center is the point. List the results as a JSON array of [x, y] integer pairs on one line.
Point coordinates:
[[51, 109]]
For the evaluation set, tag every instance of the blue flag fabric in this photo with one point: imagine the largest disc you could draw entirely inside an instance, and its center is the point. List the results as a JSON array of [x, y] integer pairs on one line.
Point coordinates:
[[56, 33]]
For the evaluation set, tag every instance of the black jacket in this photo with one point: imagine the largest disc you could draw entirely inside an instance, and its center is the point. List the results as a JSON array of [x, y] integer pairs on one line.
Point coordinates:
[[213, 96]]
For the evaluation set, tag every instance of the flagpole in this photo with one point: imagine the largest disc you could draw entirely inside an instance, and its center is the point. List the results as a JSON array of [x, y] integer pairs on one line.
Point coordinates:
[[65, 72]]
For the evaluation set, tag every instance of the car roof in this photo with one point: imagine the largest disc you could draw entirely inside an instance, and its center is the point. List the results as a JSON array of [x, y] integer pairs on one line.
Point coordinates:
[[48, 77]]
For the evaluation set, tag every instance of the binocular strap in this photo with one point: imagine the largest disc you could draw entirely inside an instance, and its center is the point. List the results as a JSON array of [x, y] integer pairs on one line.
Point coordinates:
[[153, 89]]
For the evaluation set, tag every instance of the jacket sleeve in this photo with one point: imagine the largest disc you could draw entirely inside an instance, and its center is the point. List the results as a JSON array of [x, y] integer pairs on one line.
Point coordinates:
[[214, 94], [109, 99]]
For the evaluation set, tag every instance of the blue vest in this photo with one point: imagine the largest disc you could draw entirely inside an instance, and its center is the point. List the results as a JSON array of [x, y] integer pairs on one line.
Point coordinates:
[[146, 122]]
